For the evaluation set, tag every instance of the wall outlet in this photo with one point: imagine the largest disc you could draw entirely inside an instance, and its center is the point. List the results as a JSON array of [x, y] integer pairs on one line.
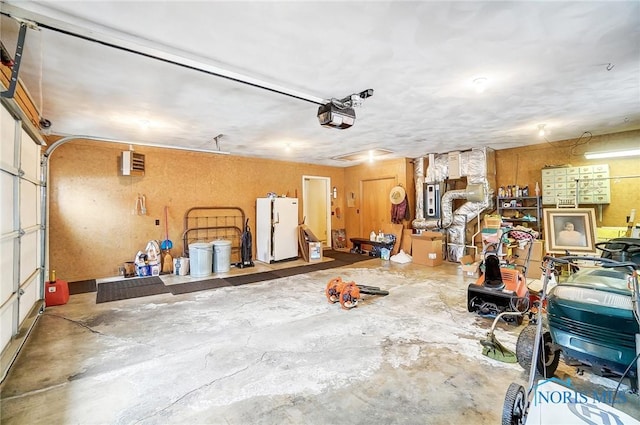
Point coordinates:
[[157, 222]]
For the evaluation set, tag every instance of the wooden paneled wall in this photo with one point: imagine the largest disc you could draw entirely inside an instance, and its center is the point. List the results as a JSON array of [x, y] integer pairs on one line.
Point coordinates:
[[523, 166], [400, 170], [92, 228]]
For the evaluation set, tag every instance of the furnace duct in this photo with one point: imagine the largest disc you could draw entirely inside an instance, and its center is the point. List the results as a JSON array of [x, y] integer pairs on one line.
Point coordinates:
[[477, 165]]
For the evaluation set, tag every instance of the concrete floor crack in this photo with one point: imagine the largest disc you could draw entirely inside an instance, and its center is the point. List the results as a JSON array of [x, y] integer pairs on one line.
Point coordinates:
[[74, 321], [197, 389], [30, 393]]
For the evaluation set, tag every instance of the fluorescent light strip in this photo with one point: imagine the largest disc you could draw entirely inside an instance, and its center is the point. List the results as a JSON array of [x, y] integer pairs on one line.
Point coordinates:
[[613, 154]]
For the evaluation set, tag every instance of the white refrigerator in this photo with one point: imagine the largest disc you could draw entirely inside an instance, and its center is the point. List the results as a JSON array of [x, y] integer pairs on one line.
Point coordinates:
[[276, 229]]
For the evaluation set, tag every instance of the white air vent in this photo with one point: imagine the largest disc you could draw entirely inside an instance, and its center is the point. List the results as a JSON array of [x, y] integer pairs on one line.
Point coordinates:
[[132, 164]]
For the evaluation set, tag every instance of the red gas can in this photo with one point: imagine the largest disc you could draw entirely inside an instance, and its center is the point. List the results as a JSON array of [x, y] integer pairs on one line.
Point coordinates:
[[56, 292]]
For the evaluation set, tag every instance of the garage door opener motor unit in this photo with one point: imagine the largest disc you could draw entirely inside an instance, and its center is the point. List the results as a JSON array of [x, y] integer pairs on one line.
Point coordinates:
[[340, 113]]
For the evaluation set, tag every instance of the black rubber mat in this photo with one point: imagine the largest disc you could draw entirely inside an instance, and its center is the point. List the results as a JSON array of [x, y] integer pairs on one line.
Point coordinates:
[[292, 271], [309, 268], [143, 287], [130, 288], [201, 285], [250, 278], [82, 286], [346, 257]]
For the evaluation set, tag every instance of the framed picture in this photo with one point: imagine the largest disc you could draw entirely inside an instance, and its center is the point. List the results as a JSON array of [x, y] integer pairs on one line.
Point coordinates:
[[570, 229]]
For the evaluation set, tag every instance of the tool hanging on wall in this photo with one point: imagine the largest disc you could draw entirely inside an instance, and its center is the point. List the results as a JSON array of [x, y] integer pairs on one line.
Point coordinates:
[[141, 205]]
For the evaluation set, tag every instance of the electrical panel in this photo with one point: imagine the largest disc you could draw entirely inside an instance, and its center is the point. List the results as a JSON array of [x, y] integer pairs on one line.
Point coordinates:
[[432, 200]]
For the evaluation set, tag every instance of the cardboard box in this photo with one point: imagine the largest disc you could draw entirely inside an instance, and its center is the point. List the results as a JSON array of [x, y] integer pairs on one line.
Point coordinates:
[[314, 252], [470, 267], [426, 248], [537, 251], [405, 244], [534, 271], [305, 235], [492, 221], [535, 268]]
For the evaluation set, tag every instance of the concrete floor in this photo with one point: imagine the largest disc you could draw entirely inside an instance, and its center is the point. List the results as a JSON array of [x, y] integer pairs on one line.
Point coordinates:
[[273, 352]]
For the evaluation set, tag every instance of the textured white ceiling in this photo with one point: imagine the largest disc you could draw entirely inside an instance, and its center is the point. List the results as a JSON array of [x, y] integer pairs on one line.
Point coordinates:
[[574, 66]]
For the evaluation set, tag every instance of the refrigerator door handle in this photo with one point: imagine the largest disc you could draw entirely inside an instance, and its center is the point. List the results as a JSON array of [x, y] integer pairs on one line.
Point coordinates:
[[277, 221]]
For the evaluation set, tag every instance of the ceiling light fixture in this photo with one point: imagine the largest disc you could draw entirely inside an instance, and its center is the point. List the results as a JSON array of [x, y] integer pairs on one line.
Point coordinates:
[[480, 84], [541, 130], [612, 154]]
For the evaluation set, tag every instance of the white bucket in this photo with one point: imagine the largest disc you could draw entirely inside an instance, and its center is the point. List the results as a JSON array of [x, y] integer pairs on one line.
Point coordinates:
[[200, 258], [221, 256], [181, 266]]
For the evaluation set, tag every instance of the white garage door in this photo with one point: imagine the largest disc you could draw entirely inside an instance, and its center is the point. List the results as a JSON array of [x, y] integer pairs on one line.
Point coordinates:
[[21, 234]]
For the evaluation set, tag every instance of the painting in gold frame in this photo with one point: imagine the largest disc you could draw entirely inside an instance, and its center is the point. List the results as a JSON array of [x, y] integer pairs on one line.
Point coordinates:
[[570, 229]]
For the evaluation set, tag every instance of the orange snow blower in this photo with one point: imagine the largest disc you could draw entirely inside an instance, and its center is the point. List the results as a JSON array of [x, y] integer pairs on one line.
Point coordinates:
[[348, 293], [501, 289]]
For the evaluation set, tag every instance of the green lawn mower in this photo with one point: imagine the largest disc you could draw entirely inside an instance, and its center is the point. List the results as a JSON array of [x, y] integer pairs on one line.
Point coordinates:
[[593, 319], [593, 316]]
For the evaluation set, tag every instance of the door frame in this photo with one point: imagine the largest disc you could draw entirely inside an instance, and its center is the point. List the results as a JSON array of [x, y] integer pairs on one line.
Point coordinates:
[[327, 181]]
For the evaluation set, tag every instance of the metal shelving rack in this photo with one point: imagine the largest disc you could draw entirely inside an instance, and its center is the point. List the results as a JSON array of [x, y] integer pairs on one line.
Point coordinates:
[[530, 205]]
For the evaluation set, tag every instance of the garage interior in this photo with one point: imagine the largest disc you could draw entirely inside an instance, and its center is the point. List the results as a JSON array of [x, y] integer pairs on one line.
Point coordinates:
[[221, 104]]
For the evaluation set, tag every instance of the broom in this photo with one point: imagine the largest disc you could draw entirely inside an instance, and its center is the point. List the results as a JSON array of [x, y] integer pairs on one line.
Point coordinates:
[[166, 245]]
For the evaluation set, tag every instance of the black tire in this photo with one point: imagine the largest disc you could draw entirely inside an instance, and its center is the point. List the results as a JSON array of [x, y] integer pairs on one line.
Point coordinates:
[[524, 346], [515, 405], [470, 298], [549, 356], [548, 359]]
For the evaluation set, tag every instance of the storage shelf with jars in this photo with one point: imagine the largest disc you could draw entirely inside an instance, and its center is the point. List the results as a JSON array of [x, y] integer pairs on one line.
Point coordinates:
[[521, 210]]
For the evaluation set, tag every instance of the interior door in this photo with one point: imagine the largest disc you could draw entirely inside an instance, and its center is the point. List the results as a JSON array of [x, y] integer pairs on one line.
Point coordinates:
[[317, 207], [375, 205]]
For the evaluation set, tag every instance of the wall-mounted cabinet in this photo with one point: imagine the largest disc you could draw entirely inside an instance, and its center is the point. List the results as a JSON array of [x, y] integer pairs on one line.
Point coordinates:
[[525, 211], [587, 184]]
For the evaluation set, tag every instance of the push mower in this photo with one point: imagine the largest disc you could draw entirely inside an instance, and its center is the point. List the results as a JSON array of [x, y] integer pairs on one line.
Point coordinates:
[[593, 320], [348, 293], [500, 289]]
